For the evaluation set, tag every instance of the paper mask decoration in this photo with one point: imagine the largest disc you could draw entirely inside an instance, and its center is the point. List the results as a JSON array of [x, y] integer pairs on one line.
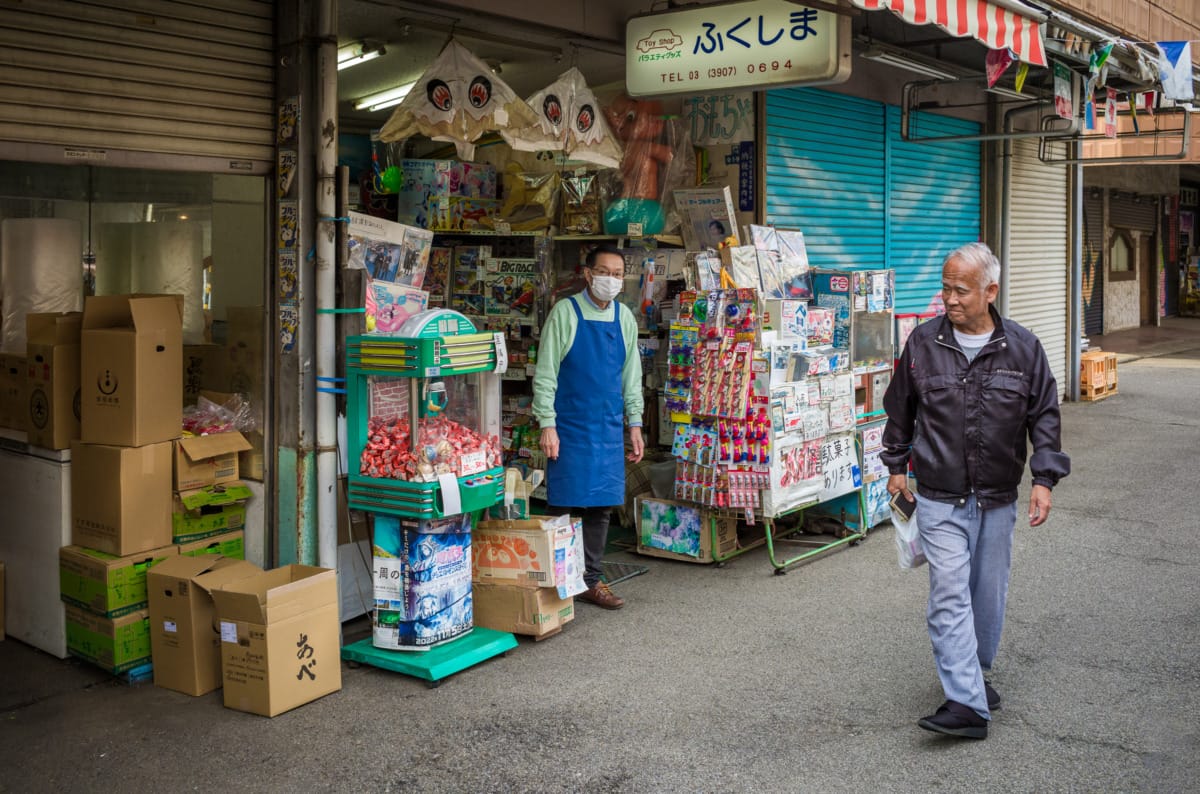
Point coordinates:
[[569, 120], [457, 99]]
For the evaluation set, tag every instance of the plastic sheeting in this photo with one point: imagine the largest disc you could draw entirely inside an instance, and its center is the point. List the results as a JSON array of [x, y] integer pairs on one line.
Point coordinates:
[[41, 270], [156, 258]]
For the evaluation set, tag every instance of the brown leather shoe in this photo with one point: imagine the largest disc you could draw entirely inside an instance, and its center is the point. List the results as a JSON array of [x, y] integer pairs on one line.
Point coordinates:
[[602, 596]]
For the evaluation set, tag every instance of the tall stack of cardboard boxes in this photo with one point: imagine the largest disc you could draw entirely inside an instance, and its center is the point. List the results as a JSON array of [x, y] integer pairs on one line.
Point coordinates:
[[121, 474]]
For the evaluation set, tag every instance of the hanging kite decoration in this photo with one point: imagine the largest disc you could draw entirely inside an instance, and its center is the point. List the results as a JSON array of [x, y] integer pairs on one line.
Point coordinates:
[[458, 100], [569, 120]]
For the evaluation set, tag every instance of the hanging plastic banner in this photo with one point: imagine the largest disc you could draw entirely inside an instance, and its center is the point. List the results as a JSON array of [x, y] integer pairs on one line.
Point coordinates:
[[1062, 91], [998, 62], [1175, 69], [1022, 73], [1110, 114]]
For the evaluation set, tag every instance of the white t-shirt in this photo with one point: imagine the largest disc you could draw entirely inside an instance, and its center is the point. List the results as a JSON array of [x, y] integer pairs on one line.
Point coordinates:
[[971, 344]]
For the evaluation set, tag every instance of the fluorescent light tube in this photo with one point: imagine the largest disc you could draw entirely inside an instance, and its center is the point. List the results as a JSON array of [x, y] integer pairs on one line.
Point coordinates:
[[384, 99], [912, 64]]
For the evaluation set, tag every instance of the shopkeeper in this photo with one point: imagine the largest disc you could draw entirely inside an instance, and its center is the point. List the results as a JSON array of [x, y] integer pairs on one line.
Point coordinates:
[[587, 387]]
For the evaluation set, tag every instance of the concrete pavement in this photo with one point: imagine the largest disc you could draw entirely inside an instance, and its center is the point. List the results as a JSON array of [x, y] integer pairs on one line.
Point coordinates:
[[732, 679]]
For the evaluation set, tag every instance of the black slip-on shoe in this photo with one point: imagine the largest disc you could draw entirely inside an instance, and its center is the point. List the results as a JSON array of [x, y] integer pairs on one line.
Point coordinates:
[[993, 697], [955, 719]]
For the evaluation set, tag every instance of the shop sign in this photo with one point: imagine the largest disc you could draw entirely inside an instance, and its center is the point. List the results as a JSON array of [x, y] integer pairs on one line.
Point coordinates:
[[755, 44]]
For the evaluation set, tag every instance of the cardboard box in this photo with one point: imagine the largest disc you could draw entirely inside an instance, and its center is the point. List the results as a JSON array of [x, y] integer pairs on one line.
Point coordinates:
[[518, 490], [201, 461], [114, 644], [209, 511], [52, 371], [280, 639], [681, 531], [252, 463], [204, 367], [12, 391], [536, 552], [104, 584], [184, 639], [132, 353], [535, 611], [121, 497], [226, 544]]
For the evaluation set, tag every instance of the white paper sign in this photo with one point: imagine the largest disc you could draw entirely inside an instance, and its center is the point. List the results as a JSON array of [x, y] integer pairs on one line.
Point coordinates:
[[228, 632]]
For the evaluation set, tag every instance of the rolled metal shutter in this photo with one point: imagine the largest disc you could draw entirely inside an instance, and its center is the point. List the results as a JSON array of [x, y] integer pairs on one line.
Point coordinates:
[[825, 174], [837, 170], [1133, 212], [1093, 263], [134, 81], [1038, 256], [933, 204]]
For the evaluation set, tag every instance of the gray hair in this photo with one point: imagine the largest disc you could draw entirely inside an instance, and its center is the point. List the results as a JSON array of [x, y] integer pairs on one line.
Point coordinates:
[[980, 256]]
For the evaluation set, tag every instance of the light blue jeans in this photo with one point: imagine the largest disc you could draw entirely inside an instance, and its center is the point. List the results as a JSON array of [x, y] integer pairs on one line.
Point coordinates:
[[970, 555]]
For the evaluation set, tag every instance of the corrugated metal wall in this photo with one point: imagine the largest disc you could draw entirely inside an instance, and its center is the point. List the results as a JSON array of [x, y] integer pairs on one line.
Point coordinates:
[[189, 78], [1039, 256], [837, 170]]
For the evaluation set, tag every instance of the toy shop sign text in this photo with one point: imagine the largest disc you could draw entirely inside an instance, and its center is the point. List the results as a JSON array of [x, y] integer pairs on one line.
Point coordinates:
[[754, 44]]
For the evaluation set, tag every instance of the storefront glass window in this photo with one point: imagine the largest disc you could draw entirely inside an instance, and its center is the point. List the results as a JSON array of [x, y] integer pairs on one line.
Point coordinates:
[[1121, 256]]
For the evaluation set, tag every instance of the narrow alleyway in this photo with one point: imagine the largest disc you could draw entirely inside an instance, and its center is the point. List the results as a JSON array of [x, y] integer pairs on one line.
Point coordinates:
[[733, 679]]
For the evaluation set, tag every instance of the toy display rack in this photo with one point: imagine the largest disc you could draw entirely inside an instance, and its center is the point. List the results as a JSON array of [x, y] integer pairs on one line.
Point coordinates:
[[446, 346]]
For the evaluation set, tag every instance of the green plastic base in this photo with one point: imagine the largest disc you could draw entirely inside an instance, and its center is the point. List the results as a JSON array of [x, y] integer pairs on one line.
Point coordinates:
[[437, 663]]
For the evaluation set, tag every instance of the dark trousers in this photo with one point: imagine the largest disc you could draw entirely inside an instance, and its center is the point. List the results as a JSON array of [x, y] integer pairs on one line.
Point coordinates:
[[595, 537]]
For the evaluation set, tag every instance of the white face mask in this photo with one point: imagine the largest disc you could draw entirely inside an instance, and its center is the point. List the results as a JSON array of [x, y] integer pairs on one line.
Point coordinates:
[[606, 288]]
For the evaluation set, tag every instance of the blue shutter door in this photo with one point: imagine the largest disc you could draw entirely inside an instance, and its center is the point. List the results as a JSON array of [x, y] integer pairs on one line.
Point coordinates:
[[933, 197], [837, 170], [825, 175]]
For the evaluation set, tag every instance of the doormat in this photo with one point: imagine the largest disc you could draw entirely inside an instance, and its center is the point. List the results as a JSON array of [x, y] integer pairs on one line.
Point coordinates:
[[620, 571]]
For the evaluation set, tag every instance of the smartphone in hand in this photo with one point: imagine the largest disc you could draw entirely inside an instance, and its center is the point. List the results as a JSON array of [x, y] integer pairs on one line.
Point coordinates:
[[902, 506]]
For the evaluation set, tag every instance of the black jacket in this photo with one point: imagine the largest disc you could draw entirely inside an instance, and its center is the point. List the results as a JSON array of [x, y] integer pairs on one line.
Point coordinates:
[[964, 425]]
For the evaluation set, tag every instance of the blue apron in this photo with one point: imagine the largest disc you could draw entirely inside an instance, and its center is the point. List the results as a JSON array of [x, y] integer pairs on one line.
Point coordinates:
[[589, 403]]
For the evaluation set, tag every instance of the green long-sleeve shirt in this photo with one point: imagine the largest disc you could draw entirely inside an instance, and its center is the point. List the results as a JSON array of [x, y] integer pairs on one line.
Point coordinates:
[[557, 337]]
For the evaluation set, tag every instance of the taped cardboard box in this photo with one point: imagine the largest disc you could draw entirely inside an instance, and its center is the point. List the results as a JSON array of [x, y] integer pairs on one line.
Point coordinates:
[[280, 639], [132, 354], [534, 611], [226, 544], [540, 551], [12, 391], [52, 365], [184, 640], [201, 461], [121, 497], [113, 644], [204, 512], [105, 584], [251, 461], [682, 531]]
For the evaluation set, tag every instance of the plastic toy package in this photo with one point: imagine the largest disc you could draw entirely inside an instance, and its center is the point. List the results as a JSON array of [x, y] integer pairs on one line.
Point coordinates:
[[443, 447]]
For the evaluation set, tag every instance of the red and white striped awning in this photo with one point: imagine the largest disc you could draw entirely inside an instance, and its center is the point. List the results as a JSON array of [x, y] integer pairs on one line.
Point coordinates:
[[996, 26]]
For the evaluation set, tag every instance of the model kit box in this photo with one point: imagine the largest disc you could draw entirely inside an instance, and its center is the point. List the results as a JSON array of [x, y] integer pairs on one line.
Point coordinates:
[[534, 611], [207, 460], [113, 644], [102, 583], [422, 574], [132, 354], [227, 544], [121, 497], [52, 366], [184, 640], [510, 287], [280, 638], [682, 531], [536, 552]]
